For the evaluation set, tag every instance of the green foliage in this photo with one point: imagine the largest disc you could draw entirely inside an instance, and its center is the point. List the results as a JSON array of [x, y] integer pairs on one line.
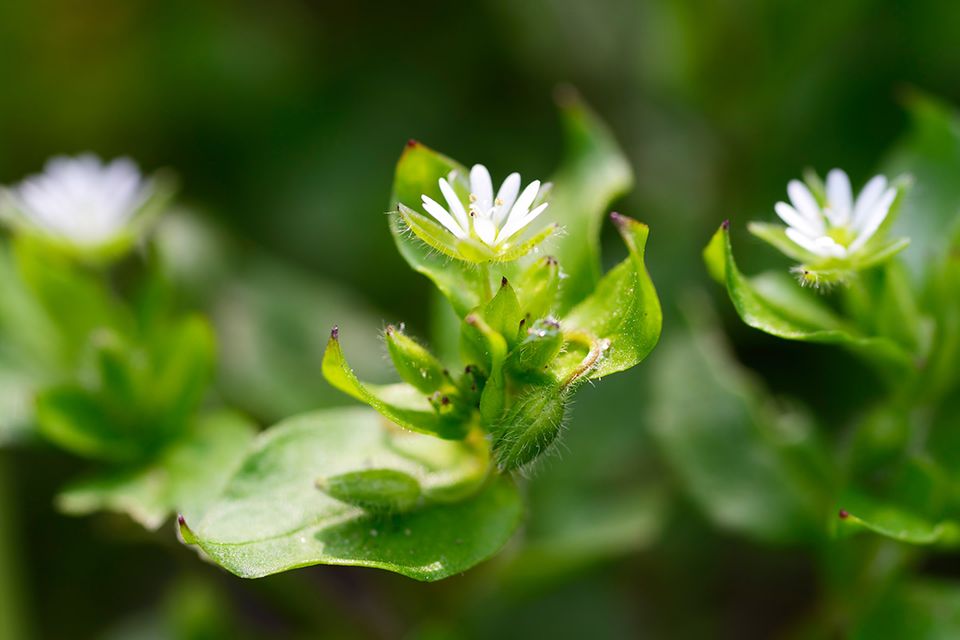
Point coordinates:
[[271, 518], [183, 478], [707, 413]]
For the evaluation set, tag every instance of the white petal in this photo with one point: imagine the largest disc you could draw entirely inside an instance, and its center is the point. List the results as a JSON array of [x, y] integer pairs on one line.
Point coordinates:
[[804, 202], [789, 215], [522, 205], [506, 196], [481, 186], [454, 204], [839, 197], [830, 247], [867, 198], [442, 216], [873, 219], [485, 229], [516, 224], [805, 242]]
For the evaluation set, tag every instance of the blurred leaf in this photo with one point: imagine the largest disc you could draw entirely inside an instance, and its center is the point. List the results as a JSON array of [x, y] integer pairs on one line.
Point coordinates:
[[893, 521], [401, 403], [917, 609], [586, 531], [185, 478], [751, 467], [417, 173], [594, 172], [271, 518], [624, 308], [775, 305], [930, 152]]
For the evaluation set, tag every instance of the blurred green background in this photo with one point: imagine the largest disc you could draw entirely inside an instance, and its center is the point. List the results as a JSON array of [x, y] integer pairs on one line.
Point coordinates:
[[284, 120]]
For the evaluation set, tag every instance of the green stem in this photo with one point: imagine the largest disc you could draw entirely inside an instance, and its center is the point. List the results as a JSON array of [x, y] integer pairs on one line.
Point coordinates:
[[485, 277], [13, 617]]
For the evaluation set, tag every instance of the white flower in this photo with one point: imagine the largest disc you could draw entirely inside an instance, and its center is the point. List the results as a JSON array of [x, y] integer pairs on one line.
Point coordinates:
[[842, 226], [491, 220], [81, 200]]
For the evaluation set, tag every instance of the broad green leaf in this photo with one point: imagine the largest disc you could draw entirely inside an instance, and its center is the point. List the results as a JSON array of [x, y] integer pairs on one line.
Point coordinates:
[[187, 476], [594, 172], [623, 311], [401, 403], [930, 153], [859, 511], [750, 466], [272, 518], [781, 308], [920, 609], [417, 173]]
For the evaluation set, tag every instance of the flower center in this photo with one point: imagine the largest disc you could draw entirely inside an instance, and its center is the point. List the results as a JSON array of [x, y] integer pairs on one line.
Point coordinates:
[[841, 235]]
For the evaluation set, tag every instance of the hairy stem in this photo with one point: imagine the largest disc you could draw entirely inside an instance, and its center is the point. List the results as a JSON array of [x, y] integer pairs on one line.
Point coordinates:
[[595, 350]]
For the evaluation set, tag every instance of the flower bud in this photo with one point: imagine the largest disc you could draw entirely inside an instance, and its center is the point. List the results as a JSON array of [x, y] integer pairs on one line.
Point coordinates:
[[538, 349], [529, 427], [416, 366], [503, 313], [538, 287], [376, 490]]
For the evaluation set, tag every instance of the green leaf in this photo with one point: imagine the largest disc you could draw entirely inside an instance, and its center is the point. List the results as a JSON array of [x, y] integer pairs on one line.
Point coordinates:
[[401, 403], [594, 172], [858, 511], [624, 310], [750, 466], [930, 153], [775, 305], [186, 477], [271, 518], [78, 420], [417, 173]]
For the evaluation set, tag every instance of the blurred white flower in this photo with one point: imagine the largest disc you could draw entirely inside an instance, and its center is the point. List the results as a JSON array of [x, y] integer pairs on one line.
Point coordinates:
[[493, 220], [841, 226], [81, 200]]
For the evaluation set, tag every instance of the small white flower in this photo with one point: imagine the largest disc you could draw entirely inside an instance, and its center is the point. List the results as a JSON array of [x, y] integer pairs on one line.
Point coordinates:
[[842, 226], [81, 200], [491, 220]]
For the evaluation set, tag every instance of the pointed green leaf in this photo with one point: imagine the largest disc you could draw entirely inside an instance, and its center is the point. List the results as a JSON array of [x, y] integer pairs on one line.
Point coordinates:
[[623, 312], [859, 511], [775, 305], [417, 173], [271, 518], [401, 403]]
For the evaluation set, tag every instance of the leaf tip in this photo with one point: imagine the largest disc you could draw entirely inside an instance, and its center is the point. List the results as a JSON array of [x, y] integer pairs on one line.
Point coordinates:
[[186, 534], [335, 332], [725, 225], [566, 95], [843, 514], [503, 281], [412, 143]]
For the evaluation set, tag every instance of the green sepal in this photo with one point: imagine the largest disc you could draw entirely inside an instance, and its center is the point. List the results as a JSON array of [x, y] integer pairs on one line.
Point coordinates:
[[503, 313], [538, 287], [375, 490], [481, 335], [400, 403], [415, 365], [538, 348]]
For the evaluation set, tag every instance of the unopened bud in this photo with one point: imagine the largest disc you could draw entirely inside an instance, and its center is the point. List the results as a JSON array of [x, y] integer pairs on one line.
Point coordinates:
[[376, 490], [416, 366], [538, 287], [503, 313], [529, 427], [538, 349]]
